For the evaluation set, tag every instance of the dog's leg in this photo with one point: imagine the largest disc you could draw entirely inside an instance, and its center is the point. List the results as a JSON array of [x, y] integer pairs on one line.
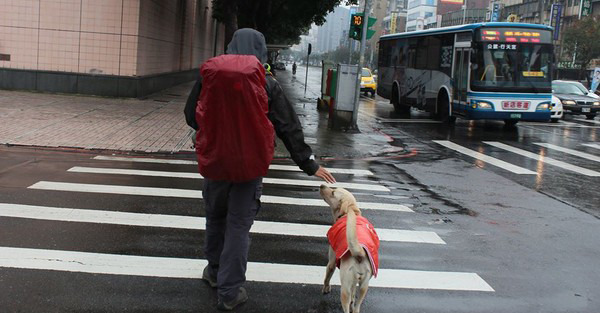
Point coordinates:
[[364, 287], [345, 297], [329, 271]]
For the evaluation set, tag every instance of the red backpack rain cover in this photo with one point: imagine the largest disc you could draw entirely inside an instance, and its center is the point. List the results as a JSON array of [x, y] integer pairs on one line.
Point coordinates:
[[235, 139]]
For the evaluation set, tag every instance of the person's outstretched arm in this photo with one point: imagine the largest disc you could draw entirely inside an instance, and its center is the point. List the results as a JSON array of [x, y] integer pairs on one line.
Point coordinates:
[[289, 130]]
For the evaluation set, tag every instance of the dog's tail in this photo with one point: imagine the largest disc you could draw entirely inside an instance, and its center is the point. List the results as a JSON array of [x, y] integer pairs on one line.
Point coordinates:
[[355, 249]]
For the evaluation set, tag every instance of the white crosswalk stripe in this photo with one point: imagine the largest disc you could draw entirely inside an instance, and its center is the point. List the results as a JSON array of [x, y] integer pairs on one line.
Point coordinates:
[[114, 264], [147, 266], [485, 158], [195, 223], [189, 193], [570, 151], [266, 180], [592, 145], [275, 167], [587, 121], [544, 159]]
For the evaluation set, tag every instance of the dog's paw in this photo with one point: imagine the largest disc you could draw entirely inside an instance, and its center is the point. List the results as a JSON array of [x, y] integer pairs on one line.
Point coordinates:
[[326, 289]]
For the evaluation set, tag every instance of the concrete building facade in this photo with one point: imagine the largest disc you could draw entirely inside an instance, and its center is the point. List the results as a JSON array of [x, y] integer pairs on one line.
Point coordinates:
[[330, 33], [421, 14], [125, 48]]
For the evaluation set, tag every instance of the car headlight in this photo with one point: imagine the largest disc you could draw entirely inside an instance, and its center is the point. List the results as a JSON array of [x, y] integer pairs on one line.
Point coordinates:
[[569, 102], [596, 103], [543, 106]]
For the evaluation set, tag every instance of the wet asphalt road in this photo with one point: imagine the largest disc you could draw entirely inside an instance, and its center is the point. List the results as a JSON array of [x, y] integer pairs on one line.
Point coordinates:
[[532, 238]]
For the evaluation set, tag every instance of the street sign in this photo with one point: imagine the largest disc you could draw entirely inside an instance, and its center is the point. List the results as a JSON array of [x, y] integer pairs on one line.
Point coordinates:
[[495, 12], [555, 13], [585, 8]]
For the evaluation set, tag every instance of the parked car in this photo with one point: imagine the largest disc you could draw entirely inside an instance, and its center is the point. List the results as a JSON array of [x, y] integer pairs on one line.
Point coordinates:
[[582, 88], [574, 100], [280, 66], [556, 110], [367, 82]]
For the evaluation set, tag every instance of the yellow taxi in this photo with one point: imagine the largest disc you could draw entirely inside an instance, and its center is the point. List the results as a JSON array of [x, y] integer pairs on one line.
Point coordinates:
[[367, 82]]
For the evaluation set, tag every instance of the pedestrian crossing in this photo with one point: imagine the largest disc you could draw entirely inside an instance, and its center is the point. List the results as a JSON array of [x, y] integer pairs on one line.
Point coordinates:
[[177, 267], [483, 155]]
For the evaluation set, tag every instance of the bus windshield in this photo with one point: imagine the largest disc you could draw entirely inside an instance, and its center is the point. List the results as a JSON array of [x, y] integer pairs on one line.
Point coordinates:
[[511, 67]]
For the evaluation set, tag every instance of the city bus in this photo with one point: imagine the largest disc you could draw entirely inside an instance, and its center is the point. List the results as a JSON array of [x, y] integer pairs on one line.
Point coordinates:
[[495, 71]]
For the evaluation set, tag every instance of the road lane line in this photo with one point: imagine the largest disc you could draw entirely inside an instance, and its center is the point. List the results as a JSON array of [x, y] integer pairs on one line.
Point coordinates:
[[275, 167], [587, 121], [196, 223], [266, 180], [592, 145], [485, 158], [197, 194], [166, 267], [570, 151], [527, 154]]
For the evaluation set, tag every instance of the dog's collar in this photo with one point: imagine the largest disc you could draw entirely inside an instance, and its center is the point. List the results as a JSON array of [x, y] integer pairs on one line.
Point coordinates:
[[340, 216]]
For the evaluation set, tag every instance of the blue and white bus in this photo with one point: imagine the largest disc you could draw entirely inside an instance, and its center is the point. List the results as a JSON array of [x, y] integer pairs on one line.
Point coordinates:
[[498, 71]]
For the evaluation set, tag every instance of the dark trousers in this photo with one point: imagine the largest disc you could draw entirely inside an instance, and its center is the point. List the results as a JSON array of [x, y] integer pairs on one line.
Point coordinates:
[[230, 211]]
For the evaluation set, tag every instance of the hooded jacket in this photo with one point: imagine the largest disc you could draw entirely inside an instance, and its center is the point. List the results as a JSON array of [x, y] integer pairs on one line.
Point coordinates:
[[281, 112]]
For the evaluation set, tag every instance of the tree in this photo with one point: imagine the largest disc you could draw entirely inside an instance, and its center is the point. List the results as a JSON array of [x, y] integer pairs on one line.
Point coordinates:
[[582, 38], [281, 21]]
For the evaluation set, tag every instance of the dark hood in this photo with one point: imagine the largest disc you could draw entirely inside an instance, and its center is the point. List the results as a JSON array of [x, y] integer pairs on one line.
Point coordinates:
[[568, 96], [250, 42]]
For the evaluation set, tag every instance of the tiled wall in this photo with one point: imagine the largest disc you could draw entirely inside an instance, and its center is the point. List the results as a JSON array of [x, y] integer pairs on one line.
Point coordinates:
[[110, 37]]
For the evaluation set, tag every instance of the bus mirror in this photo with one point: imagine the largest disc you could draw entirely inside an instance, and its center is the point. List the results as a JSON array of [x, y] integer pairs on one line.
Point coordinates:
[[472, 56]]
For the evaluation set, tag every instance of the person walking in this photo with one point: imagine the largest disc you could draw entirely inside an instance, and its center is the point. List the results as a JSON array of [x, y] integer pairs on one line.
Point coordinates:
[[232, 206], [294, 67]]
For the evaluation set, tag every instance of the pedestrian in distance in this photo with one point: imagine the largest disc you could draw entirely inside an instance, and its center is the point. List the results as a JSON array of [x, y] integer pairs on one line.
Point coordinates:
[[294, 67], [234, 104]]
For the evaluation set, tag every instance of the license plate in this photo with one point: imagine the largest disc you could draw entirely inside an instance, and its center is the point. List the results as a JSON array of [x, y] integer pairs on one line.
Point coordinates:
[[515, 115], [585, 110], [515, 105]]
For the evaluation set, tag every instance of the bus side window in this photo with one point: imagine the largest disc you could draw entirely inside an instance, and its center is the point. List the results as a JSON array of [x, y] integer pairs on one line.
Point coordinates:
[[421, 63], [433, 53]]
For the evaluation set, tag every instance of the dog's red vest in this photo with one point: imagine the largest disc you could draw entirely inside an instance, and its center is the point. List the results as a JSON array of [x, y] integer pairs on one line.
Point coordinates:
[[366, 235]]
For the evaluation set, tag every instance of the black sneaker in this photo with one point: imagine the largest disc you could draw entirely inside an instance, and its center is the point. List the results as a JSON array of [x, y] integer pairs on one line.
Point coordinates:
[[209, 279], [228, 306]]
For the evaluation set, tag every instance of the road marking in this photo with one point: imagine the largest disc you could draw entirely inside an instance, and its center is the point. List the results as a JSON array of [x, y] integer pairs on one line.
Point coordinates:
[[266, 180], [399, 120], [196, 223], [592, 145], [485, 158], [275, 167], [560, 124], [197, 194], [569, 151], [133, 265], [527, 154], [587, 121]]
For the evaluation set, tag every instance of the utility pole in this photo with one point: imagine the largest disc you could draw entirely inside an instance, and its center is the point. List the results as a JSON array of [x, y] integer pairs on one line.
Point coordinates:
[[361, 61], [465, 13]]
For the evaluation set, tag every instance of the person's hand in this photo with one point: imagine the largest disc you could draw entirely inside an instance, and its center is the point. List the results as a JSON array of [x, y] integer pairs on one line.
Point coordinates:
[[324, 174]]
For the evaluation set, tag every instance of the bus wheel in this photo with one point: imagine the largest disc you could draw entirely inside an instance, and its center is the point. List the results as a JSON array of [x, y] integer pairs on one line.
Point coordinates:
[[510, 123], [444, 110], [400, 108]]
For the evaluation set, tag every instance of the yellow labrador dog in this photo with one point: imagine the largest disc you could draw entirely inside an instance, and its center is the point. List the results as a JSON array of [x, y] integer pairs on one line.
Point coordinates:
[[353, 248]]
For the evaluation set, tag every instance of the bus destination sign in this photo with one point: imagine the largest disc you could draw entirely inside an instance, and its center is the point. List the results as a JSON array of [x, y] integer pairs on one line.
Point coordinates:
[[515, 35]]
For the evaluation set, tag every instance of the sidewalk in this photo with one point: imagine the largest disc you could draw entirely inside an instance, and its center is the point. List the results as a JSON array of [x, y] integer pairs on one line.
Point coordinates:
[[156, 124]]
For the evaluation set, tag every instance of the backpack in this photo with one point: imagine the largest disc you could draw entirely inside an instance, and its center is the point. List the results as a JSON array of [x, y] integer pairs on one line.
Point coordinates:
[[235, 139]]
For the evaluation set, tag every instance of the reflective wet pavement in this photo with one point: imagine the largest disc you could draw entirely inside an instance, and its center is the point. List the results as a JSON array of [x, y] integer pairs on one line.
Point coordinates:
[[517, 234]]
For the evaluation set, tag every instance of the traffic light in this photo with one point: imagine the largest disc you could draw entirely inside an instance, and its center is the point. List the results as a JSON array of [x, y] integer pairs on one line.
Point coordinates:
[[356, 24]]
